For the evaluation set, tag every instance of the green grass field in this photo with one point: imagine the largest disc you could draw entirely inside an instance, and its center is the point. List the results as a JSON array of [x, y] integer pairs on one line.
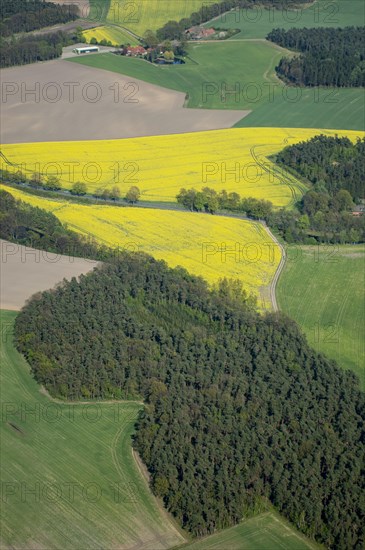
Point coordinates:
[[258, 22], [241, 75], [314, 107], [77, 459], [322, 288], [267, 531]]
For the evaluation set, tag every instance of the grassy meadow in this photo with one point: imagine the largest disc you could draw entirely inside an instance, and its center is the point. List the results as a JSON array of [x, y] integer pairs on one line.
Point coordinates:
[[322, 288], [263, 532], [77, 459], [209, 246], [234, 160], [310, 107], [259, 21]]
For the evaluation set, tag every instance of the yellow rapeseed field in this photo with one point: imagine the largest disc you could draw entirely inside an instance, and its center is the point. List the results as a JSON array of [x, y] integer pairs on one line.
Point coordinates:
[[141, 15], [235, 160], [113, 34], [210, 246]]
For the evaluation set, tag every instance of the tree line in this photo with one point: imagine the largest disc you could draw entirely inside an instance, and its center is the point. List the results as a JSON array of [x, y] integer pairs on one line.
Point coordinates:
[[208, 200], [238, 408], [329, 56], [51, 183], [32, 48]]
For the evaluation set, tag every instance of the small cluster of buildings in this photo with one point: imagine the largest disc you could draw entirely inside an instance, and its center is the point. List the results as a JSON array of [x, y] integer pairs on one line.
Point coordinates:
[[200, 33], [194, 33], [136, 51]]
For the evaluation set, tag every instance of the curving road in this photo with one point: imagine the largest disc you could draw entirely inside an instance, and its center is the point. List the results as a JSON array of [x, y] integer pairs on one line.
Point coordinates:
[[280, 268]]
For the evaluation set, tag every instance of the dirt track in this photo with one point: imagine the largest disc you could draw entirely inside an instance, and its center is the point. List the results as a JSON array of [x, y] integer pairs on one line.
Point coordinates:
[[25, 271], [62, 101], [280, 268]]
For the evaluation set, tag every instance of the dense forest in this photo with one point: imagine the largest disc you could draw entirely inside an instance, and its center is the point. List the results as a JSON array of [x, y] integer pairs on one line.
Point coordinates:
[[17, 45], [175, 29], [329, 57], [19, 16], [319, 219], [333, 168], [30, 48], [329, 163], [31, 226], [238, 407]]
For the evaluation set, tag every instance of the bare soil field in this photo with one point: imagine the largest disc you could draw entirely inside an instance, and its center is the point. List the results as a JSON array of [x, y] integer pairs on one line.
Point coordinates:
[[61, 101], [25, 271]]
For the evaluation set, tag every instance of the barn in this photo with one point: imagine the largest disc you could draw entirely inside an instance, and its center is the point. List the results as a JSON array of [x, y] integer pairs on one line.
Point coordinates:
[[86, 49]]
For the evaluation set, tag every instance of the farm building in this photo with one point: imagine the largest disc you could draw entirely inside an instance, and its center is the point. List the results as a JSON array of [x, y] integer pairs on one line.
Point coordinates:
[[136, 51], [86, 49], [198, 33], [359, 210]]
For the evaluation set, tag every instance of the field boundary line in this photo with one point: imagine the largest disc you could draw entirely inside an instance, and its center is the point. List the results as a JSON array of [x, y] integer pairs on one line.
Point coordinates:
[[292, 532], [144, 475]]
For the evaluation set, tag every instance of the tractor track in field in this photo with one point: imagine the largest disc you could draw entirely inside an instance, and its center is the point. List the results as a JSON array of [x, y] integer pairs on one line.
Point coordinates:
[[285, 178], [272, 171]]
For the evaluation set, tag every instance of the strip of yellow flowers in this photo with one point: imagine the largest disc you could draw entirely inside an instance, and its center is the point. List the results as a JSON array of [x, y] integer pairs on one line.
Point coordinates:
[[210, 246]]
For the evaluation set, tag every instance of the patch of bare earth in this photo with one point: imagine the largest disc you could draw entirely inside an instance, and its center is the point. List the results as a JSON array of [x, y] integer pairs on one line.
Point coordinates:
[[61, 101], [25, 271]]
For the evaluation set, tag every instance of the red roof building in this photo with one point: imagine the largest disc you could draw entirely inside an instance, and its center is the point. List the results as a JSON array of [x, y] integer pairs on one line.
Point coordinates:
[[135, 51]]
